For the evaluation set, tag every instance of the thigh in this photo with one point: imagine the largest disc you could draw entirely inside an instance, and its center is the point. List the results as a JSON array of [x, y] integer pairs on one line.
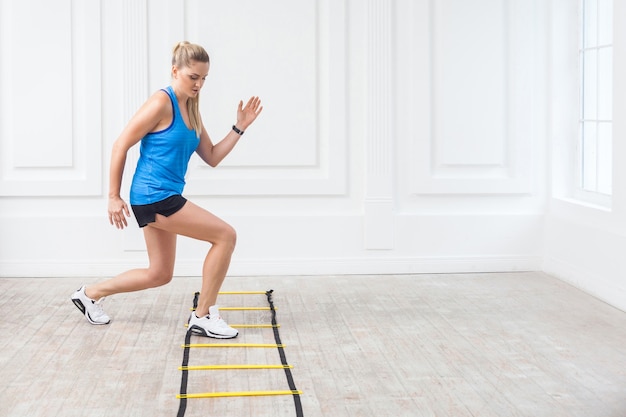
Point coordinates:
[[195, 222], [161, 246]]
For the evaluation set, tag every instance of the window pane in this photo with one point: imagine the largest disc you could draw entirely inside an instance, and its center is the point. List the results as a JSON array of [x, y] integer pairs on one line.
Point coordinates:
[[590, 76], [605, 158], [605, 83], [605, 22], [590, 15], [589, 162]]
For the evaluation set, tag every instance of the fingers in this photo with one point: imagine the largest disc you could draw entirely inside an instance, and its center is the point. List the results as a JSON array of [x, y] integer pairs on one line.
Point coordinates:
[[252, 101], [253, 104], [118, 220], [248, 113], [117, 216]]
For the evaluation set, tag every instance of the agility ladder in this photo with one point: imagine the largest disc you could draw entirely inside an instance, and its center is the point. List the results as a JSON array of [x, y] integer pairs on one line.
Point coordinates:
[[187, 346]]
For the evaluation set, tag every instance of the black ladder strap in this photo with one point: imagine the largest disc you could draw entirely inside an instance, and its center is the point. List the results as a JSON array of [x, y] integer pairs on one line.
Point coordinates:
[[283, 358]]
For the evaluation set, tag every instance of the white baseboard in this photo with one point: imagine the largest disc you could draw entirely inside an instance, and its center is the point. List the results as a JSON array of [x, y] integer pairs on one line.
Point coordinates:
[[589, 281], [283, 267]]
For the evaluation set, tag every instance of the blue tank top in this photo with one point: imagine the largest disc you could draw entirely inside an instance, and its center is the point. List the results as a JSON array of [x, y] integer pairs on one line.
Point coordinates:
[[163, 160]]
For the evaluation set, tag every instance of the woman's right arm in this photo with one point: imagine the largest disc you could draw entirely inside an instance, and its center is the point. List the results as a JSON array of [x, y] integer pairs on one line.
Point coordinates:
[[149, 117]]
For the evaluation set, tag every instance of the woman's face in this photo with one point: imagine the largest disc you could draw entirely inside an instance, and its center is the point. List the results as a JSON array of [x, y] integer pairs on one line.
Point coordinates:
[[189, 80]]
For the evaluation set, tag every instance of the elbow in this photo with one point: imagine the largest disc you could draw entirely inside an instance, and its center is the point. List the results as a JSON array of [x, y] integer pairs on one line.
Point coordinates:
[[213, 162], [209, 158], [118, 148]]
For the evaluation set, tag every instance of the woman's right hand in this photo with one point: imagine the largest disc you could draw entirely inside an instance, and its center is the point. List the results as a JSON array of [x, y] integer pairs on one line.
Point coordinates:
[[118, 211]]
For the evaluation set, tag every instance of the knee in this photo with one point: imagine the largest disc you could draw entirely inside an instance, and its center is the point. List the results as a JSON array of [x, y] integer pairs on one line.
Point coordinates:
[[232, 237], [160, 277], [228, 238]]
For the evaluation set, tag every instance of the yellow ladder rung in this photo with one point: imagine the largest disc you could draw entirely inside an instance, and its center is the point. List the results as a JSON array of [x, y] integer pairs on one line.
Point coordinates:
[[231, 345], [250, 326], [238, 394], [222, 367], [241, 292], [240, 308]]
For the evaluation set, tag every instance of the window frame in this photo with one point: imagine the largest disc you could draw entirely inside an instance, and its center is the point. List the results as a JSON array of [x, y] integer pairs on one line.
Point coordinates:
[[581, 190]]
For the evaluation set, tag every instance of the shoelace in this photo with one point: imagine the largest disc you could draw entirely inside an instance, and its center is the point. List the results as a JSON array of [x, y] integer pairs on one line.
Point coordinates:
[[220, 322], [98, 307]]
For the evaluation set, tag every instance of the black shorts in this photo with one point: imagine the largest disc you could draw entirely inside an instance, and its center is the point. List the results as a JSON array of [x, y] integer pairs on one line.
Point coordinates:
[[146, 213]]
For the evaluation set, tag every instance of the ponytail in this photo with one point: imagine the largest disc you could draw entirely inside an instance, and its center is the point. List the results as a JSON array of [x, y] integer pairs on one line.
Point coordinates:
[[182, 55]]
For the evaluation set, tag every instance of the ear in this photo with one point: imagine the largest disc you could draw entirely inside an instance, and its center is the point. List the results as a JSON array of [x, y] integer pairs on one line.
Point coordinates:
[[174, 71]]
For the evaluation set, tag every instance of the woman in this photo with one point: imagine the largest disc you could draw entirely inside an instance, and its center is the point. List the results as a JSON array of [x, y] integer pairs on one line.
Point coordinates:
[[170, 129]]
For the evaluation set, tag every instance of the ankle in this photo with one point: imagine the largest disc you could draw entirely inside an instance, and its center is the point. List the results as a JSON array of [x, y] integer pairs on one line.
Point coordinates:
[[90, 294], [87, 294]]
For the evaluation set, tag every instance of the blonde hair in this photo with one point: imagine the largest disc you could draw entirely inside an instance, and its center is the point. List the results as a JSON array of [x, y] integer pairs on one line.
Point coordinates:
[[185, 52]]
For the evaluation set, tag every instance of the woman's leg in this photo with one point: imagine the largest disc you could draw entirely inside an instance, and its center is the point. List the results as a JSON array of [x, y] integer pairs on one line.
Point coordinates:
[[161, 246], [197, 223]]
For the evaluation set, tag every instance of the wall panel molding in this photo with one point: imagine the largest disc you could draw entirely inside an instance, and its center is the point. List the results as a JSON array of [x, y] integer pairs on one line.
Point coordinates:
[[50, 120], [135, 78], [136, 91], [470, 112], [378, 203], [298, 145]]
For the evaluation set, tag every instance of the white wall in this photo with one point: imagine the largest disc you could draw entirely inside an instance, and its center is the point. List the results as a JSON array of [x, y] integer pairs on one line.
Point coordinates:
[[585, 244], [397, 136]]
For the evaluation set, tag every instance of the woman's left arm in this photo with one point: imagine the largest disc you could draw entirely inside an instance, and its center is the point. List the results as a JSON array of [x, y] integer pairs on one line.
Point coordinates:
[[214, 154]]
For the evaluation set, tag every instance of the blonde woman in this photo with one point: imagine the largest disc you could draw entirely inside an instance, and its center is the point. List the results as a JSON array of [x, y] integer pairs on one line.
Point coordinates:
[[170, 129]]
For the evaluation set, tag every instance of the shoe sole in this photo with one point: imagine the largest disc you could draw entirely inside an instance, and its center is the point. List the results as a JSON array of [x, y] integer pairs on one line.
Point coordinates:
[[79, 304], [202, 332]]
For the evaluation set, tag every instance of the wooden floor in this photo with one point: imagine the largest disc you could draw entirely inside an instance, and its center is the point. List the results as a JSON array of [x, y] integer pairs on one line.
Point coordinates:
[[514, 344]]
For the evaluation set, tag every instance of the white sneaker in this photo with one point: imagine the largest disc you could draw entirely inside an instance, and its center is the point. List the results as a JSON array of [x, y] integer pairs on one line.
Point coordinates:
[[91, 309], [211, 325]]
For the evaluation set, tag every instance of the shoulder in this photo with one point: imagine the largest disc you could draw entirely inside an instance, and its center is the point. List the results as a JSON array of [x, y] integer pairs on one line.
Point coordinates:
[[160, 98], [159, 103]]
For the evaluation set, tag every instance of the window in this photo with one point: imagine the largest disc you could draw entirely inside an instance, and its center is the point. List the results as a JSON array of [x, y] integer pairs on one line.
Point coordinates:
[[596, 104]]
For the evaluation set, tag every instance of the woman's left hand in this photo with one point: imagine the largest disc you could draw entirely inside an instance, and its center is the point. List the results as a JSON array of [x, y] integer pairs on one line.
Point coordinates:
[[248, 113]]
